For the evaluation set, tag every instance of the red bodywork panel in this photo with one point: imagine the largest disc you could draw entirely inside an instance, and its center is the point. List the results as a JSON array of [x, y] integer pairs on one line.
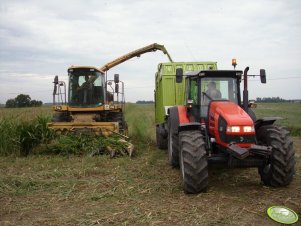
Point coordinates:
[[234, 116], [182, 110]]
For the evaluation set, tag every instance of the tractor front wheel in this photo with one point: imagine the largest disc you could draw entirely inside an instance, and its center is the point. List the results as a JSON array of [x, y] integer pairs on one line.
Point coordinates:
[[193, 162], [173, 146], [280, 168]]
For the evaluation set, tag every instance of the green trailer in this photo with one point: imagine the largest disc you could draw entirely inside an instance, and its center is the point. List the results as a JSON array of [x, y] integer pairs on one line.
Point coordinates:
[[168, 93]]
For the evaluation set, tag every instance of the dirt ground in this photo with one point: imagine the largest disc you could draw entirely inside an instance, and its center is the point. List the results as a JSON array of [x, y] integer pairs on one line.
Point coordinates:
[[145, 190]]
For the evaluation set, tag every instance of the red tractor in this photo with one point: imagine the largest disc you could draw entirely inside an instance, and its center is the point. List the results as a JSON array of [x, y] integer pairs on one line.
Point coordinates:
[[216, 126]]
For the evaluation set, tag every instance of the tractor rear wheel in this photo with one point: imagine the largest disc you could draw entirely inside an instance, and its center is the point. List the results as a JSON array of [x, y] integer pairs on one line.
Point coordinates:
[[193, 162], [280, 168], [173, 146]]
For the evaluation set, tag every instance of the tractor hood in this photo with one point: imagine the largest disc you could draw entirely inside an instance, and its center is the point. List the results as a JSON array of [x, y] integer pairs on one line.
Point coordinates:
[[233, 114], [229, 123]]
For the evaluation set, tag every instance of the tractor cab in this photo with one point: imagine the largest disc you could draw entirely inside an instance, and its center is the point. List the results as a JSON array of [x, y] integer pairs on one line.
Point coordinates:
[[204, 87]]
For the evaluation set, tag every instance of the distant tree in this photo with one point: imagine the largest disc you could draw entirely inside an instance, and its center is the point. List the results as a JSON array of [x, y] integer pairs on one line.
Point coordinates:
[[36, 103], [145, 102], [10, 103], [270, 100], [23, 100]]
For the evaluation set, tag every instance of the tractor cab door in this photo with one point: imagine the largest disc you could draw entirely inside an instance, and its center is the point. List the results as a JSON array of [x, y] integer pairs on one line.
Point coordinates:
[[192, 99]]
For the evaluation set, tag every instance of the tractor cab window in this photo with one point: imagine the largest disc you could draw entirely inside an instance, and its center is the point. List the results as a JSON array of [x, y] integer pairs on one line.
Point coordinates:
[[216, 89], [193, 90], [86, 88]]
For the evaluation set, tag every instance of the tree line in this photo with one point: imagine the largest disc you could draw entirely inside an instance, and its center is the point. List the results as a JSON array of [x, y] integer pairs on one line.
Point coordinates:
[[271, 100], [145, 102], [22, 100]]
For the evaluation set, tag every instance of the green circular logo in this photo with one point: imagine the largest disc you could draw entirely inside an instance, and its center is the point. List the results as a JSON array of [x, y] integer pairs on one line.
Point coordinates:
[[282, 214]]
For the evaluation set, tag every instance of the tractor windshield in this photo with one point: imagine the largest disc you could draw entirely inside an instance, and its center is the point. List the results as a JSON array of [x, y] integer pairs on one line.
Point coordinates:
[[213, 88], [86, 87]]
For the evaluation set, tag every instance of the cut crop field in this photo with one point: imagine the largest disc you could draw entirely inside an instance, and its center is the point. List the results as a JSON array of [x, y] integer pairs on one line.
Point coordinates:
[[142, 190]]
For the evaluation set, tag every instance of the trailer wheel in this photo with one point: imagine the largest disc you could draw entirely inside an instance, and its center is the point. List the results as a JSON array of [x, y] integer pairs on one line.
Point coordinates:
[[162, 142], [280, 168], [173, 146], [193, 162]]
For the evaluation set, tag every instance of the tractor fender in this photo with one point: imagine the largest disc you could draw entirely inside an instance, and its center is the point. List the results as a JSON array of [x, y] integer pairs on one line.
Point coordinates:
[[265, 121], [179, 120], [189, 126]]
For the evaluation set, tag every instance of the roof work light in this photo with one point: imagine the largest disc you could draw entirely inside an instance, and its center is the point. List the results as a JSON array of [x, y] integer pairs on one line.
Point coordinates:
[[234, 62]]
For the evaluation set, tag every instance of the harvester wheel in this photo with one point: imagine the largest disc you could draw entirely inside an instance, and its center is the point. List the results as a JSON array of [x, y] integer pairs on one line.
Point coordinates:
[[193, 162], [173, 146], [59, 117], [162, 142], [118, 117], [280, 168]]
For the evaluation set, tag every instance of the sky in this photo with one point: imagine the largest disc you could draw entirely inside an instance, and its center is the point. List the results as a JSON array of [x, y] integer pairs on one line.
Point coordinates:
[[41, 39]]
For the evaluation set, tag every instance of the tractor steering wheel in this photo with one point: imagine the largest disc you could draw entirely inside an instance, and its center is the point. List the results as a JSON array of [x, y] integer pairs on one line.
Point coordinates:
[[209, 97]]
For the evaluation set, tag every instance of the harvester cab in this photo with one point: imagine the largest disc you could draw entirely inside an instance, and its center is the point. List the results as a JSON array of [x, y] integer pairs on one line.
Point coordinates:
[[215, 126], [94, 103]]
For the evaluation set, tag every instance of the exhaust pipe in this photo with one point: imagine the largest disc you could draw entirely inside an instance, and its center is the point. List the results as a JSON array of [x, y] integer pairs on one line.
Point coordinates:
[[245, 92]]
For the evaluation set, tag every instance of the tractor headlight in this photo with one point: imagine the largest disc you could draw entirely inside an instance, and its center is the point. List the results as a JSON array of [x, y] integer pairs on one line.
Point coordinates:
[[233, 129], [238, 129], [248, 129]]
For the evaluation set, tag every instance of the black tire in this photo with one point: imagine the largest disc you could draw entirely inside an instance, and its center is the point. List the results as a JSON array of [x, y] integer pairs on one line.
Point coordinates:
[[280, 168], [118, 117], [162, 142], [173, 146], [59, 117], [252, 114], [193, 162]]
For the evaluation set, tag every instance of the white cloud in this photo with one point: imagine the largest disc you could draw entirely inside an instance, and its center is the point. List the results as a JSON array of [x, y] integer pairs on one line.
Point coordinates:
[[45, 37]]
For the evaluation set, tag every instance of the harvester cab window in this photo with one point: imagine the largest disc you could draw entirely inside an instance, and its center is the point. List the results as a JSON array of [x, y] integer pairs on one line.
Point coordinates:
[[86, 88]]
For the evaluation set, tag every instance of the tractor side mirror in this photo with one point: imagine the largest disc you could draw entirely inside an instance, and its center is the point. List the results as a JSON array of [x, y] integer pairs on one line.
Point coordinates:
[[179, 75], [116, 78], [56, 79], [116, 88], [252, 104], [263, 77]]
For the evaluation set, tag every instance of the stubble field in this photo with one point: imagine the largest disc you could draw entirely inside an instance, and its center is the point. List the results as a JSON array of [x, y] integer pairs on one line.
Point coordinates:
[[143, 190]]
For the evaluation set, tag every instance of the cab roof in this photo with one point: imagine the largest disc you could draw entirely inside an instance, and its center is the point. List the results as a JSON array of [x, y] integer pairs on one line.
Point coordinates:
[[86, 67], [214, 73]]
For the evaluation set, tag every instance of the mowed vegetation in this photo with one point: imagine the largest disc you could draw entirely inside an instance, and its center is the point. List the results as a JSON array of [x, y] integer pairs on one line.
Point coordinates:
[[64, 189]]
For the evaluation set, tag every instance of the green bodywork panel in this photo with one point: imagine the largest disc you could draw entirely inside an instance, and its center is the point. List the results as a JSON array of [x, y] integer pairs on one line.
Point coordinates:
[[169, 93]]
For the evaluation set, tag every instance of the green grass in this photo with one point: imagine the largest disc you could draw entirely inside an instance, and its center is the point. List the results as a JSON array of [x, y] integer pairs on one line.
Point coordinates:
[[23, 129], [141, 121], [291, 113]]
